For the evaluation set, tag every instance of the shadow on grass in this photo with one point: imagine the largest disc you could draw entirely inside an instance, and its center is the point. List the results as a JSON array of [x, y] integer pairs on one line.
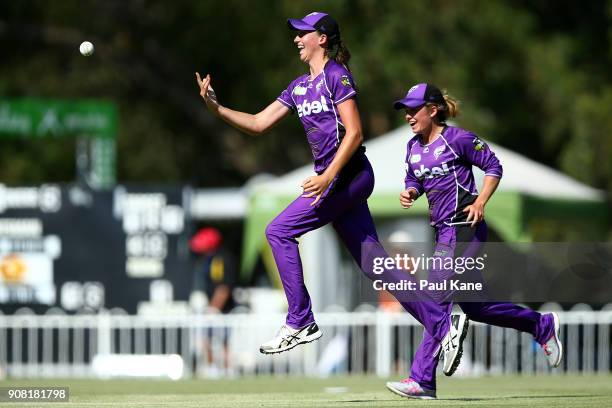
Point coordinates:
[[478, 398], [520, 397]]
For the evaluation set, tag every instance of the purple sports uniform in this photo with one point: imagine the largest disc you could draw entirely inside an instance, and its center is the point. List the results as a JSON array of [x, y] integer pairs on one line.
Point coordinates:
[[315, 101], [442, 170], [344, 204]]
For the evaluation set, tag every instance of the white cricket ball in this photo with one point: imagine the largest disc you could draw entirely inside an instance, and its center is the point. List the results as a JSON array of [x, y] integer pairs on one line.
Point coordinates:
[[86, 48]]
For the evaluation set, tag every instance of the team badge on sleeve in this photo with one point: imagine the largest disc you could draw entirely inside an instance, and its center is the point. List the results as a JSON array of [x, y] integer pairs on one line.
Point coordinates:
[[344, 80], [478, 144]]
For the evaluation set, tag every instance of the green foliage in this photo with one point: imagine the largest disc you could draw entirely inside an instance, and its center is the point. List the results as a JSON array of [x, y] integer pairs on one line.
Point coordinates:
[[532, 75]]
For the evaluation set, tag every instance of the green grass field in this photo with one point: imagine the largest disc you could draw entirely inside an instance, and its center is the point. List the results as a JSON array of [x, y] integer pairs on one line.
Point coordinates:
[[504, 391]]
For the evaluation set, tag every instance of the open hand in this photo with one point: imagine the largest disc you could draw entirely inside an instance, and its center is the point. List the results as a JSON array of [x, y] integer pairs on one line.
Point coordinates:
[[315, 186], [207, 93], [475, 213]]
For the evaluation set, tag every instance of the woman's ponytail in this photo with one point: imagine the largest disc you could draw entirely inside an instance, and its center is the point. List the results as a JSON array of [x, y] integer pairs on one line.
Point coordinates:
[[449, 109], [336, 50], [452, 105], [342, 55]]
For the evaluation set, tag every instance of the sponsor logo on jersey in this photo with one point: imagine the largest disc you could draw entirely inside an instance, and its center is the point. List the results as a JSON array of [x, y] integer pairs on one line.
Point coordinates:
[[307, 108], [478, 144], [426, 173], [439, 150], [299, 90], [415, 158], [345, 80]]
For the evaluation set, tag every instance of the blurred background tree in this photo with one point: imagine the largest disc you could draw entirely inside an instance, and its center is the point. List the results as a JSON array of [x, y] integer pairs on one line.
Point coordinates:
[[534, 76]]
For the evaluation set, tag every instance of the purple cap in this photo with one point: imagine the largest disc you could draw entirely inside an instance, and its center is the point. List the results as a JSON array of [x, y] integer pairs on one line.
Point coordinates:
[[419, 95], [317, 21]]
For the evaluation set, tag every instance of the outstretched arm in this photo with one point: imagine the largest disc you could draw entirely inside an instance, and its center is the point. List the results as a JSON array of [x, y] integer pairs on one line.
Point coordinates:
[[246, 122]]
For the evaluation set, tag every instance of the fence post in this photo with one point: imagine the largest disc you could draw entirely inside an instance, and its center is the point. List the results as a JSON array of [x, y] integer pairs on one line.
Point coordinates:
[[104, 334], [603, 341], [383, 344]]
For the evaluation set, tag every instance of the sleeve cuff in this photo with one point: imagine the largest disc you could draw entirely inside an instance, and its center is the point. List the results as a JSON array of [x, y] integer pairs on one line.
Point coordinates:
[[345, 97], [415, 187], [285, 103]]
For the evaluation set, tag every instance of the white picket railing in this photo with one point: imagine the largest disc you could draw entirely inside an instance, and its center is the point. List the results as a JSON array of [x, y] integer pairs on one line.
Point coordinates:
[[358, 342]]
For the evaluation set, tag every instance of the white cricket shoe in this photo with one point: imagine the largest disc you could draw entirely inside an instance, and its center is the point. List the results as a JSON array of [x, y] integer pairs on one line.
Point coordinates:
[[452, 344], [553, 347], [287, 338]]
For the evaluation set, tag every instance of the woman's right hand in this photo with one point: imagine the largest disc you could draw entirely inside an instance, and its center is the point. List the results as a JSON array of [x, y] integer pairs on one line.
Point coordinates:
[[407, 197], [207, 93]]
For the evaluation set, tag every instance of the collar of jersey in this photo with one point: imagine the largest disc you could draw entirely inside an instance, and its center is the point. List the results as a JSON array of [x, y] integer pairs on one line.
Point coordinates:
[[322, 71], [435, 140]]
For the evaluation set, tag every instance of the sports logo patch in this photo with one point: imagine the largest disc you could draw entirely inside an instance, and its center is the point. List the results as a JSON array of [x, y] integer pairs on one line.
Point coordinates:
[[319, 85], [415, 158], [478, 144], [344, 80], [439, 150]]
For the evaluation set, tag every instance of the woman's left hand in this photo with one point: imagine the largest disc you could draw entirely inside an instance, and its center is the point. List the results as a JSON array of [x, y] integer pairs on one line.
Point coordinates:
[[315, 186], [475, 212]]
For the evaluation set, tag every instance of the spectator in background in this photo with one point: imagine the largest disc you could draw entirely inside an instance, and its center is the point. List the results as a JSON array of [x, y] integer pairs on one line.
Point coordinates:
[[215, 274], [215, 270]]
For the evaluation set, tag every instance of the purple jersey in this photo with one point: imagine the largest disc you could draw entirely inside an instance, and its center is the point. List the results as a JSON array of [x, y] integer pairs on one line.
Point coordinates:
[[443, 170], [315, 101]]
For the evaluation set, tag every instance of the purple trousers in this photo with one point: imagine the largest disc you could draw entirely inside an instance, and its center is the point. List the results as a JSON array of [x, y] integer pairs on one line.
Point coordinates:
[[345, 206], [501, 314]]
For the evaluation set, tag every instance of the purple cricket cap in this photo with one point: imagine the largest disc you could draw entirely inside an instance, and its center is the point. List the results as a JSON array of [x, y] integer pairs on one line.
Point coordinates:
[[419, 95], [317, 21]]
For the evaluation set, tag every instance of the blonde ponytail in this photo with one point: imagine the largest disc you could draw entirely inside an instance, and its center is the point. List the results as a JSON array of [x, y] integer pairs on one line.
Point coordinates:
[[452, 106], [449, 109]]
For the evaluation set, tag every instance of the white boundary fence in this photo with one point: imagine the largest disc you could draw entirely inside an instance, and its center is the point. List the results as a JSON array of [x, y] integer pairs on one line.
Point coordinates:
[[359, 342]]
